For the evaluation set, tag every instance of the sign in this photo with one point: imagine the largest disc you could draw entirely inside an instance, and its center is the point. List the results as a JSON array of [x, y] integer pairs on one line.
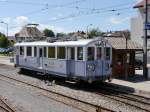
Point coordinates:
[[147, 26]]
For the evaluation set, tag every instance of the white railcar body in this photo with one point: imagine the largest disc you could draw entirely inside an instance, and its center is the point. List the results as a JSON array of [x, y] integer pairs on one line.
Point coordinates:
[[88, 59]]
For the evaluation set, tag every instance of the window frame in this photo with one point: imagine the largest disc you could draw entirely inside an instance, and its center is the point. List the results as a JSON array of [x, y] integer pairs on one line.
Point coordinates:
[[54, 52], [27, 51], [20, 50], [106, 57], [65, 58], [82, 53], [88, 53]]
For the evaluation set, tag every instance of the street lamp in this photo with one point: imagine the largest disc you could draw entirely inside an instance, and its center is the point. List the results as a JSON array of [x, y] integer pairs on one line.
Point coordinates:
[[6, 25], [88, 30]]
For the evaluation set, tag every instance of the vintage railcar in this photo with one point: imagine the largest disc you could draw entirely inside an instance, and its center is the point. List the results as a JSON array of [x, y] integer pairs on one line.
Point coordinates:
[[86, 59]]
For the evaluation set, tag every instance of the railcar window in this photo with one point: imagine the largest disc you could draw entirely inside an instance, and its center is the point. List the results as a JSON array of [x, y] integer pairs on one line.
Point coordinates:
[[35, 51], [80, 53], [72, 53], [51, 52], [107, 53], [61, 52], [99, 54], [29, 51], [45, 52], [91, 53], [21, 50]]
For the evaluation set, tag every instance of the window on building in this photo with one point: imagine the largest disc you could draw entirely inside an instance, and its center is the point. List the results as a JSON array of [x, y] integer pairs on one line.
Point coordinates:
[[91, 53], [99, 54], [35, 51], [80, 53], [107, 53], [45, 52], [51, 52], [21, 50], [29, 51], [72, 53], [61, 52]]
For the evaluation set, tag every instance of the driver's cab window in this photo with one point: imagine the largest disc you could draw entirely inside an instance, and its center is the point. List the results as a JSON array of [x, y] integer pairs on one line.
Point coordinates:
[[91, 53]]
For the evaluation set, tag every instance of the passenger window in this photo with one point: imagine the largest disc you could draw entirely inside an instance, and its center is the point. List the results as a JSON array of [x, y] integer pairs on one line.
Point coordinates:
[[21, 50], [99, 54], [91, 53], [80, 53], [61, 52], [51, 52], [107, 53], [35, 51], [45, 52], [72, 53], [29, 51]]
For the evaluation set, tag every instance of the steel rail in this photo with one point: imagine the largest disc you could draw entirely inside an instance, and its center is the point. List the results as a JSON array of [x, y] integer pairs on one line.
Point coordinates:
[[98, 108]]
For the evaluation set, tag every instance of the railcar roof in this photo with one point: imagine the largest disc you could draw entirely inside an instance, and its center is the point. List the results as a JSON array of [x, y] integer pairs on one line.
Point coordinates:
[[82, 42]]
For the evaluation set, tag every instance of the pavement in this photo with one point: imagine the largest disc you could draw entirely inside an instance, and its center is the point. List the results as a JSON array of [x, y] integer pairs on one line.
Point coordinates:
[[6, 60], [137, 82]]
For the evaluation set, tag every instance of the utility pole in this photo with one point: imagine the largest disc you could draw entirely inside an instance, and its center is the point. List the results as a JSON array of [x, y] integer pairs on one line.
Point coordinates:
[[145, 41]]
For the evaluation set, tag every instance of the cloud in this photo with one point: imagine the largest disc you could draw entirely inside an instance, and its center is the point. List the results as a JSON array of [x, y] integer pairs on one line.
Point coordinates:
[[117, 20], [21, 20], [54, 28]]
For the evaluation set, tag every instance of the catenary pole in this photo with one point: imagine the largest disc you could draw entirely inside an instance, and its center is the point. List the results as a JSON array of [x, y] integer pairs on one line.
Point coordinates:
[[145, 40]]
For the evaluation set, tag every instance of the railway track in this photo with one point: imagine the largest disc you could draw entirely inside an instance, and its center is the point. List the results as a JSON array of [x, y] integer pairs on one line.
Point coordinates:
[[133, 100], [76, 103], [4, 107], [137, 101]]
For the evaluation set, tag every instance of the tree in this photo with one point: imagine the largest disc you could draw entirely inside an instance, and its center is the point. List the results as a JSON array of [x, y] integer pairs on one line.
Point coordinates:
[[60, 34], [48, 33], [94, 33], [4, 42]]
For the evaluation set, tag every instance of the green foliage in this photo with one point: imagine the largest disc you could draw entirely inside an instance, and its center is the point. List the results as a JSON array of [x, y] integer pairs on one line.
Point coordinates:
[[48, 33], [94, 33], [4, 42], [60, 34]]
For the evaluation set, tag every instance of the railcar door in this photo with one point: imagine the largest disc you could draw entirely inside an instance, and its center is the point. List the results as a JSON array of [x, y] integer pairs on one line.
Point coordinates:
[[107, 61], [71, 61], [40, 59]]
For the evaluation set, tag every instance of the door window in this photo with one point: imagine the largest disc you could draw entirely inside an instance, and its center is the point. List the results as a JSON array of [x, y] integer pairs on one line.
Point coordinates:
[[107, 53], [99, 54], [80, 53], [91, 53], [29, 51], [21, 50]]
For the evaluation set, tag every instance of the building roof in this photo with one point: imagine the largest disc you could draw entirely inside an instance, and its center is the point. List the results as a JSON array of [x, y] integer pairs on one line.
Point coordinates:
[[115, 34], [120, 43], [141, 4], [29, 32]]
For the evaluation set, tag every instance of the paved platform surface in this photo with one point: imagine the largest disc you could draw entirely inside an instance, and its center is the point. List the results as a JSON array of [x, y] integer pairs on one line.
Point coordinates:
[[6, 60], [137, 82]]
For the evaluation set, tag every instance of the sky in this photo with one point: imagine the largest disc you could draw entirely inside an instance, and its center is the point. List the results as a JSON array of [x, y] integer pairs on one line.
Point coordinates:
[[67, 15]]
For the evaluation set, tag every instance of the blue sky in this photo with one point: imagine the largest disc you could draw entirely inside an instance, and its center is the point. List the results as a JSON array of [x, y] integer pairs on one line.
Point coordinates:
[[67, 15]]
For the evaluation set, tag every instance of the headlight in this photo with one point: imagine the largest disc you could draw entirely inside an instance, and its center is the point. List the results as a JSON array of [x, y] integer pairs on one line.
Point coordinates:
[[91, 67]]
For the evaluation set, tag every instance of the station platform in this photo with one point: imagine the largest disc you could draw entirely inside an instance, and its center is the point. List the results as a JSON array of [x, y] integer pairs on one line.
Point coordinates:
[[138, 82]]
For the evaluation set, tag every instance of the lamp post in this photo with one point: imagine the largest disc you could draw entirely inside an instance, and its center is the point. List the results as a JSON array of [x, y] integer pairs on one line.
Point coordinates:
[[88, 30], [6, 26]]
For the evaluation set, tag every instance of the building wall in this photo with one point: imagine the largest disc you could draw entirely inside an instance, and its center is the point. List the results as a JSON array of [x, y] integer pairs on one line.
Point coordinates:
[[137, 27]]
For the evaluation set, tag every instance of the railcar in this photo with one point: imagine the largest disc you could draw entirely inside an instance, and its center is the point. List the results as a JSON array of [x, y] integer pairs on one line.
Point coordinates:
[[87, 59]]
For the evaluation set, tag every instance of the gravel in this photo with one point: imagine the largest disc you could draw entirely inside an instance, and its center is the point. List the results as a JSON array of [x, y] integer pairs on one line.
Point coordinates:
[[79, 94]]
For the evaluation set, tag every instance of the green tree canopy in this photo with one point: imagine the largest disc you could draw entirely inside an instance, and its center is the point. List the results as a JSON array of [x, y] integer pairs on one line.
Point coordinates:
[[94, 33], [60, 34], [4, 42], [48, 33]]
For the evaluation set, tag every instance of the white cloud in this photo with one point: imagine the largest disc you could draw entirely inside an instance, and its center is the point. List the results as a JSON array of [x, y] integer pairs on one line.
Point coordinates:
[[7, 19], [21, 20], [54, 28], [118, 20]]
